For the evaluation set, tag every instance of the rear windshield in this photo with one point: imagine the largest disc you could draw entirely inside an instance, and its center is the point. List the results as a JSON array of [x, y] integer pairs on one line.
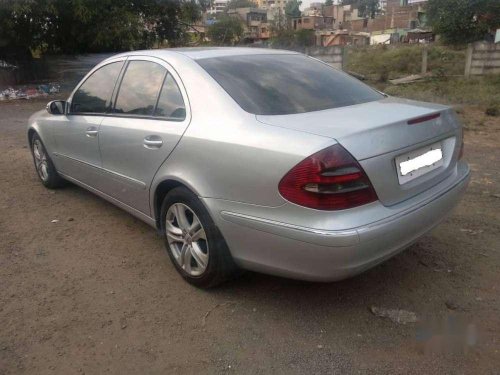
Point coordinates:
[[285, 84]]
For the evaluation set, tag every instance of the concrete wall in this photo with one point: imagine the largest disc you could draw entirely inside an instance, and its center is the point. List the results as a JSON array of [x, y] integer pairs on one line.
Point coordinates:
[[482, 58], [333, 55]]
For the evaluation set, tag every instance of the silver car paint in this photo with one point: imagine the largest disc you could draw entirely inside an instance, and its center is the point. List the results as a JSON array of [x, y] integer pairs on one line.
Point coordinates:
[[130, 169], [376, 132], [276, 247], [234, 161]]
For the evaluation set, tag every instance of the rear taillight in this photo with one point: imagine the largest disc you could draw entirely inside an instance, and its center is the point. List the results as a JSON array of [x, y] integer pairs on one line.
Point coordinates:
[[331, 179]]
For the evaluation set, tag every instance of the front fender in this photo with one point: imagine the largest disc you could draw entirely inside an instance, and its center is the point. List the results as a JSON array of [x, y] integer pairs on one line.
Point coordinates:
[[39, 122]]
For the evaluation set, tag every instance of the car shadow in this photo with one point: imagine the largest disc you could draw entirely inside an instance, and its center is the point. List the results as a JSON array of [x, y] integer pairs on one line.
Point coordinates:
[[385, 283]]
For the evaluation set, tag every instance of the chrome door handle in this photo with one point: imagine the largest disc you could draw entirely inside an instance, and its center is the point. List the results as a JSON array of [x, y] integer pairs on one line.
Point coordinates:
[[153, 141], [91, 131]]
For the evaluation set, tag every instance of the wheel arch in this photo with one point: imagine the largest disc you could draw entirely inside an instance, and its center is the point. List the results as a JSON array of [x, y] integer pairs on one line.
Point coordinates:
[[36, 129], [31, 133], [161, 190]]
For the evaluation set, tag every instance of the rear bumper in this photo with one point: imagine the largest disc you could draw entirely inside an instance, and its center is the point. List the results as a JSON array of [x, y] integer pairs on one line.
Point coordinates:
[[300, 252]]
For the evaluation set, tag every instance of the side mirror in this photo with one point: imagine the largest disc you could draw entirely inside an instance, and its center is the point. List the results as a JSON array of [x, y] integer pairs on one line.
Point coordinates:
[[56, 107]]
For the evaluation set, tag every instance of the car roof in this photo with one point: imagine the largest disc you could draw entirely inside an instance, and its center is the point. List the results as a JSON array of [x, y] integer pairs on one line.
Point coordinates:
[[197, 53]]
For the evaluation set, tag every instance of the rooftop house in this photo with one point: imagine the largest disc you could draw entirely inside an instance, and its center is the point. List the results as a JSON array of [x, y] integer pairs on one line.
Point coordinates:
[[272, 4], [398, 14], [312, 22], [255, 22], [217, 6]]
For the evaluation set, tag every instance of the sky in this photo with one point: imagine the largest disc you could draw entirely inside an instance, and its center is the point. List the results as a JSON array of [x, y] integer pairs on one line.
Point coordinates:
[[305, 3]]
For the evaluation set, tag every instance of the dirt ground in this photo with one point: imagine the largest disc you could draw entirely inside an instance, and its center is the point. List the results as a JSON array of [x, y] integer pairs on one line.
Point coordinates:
[[96, 293]]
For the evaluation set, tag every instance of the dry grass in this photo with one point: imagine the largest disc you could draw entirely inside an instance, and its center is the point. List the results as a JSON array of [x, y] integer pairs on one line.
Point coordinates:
[[383, 62], [482, 91], [477, 99]]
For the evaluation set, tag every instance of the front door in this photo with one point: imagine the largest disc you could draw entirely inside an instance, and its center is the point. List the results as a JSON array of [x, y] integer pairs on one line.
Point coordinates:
[[149, 117], [77, 134]]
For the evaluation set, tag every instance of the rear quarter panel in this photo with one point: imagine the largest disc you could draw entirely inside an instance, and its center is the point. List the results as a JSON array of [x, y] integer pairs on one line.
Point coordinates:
[[226, 153], [240, 160]]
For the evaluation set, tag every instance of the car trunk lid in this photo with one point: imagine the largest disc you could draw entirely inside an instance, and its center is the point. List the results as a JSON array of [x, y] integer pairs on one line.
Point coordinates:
[[376, 133]]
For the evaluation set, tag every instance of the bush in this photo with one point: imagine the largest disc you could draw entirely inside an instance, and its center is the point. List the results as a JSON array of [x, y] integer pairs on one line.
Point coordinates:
[[293, 39], [305, 37], [492, 111]]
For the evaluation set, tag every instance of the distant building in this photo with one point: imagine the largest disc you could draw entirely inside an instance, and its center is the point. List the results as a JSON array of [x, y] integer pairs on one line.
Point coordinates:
[[272, 4], [217, 6], [398, 14], [315, 9], [312, 22], [394, 23], [339, 13], [256, 26], [337, 24]]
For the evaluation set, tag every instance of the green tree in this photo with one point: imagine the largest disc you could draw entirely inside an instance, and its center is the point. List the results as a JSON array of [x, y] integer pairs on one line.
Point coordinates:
[[226, 30], [293, 39], [23, 24], [283, 38], [164, 20], [305, 37], [79, 26], [328, 2], [292, 8], [462, 21], [368, 8]]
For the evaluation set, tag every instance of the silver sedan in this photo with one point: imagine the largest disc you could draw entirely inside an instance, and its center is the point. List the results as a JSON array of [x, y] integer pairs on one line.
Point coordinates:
[[255, 159]]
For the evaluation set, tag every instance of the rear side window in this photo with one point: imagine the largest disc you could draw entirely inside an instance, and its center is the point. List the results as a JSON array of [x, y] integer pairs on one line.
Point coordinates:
[[94, 95], [285, 84], [139, 89], [170, 103]]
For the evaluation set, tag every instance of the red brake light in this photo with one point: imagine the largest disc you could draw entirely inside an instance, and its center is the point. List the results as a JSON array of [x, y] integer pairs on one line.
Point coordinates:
[[423, 119], [331, 179]]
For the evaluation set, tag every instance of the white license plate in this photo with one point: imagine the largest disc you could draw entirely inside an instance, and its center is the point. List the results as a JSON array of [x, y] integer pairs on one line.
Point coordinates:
[[416, 163]]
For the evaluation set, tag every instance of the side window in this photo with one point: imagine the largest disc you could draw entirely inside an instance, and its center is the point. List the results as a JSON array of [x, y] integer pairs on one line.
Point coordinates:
[[139, 88], [170, 103], [94, 95]]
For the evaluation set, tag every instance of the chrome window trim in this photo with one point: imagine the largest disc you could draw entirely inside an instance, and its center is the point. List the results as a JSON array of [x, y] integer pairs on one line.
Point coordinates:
[[170, 70], [86, 77]]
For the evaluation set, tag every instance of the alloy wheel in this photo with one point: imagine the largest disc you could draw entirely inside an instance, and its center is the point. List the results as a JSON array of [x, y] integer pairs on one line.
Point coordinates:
[[187, 239], [41, 163]]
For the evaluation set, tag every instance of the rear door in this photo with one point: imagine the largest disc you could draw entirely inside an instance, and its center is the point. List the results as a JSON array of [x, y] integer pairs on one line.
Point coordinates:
[[149, 116], [77, 137]]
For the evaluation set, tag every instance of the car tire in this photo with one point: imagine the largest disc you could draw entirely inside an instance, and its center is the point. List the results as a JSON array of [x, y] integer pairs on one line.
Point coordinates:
[[44, 166], [203, 260]]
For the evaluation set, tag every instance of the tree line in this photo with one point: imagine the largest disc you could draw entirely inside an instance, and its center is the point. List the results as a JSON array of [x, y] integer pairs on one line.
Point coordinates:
[[80, 26]]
